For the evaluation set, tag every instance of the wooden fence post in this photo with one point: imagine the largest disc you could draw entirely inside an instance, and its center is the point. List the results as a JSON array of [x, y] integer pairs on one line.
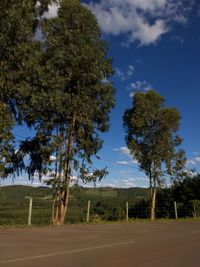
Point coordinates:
[[30, 211], [175, 209], [194, 214], [127, 211], [88, 211]]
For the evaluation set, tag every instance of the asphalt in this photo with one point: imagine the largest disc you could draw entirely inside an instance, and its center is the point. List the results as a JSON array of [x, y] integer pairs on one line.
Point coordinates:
[[110, 245]]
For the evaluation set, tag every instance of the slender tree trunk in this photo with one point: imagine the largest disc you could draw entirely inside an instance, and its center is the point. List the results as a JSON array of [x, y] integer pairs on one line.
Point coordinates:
[[150, 189], [60, 205], [58, 175], [66, 195], [153, 204], [151, 186], [153, 200], [67, 170]]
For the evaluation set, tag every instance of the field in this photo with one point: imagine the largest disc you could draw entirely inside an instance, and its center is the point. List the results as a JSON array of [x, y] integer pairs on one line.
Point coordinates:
[[110, 245], [106, 204]]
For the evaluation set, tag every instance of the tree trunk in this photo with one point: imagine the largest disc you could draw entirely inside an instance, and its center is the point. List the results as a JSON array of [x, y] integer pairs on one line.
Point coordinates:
[[58, 179], [68, 165], [153, 204], [153, 200], [151, 186], [65, 202], [53, 211]]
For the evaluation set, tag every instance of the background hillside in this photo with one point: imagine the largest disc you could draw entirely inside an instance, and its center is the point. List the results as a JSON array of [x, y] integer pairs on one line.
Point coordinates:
[[19, 192], [106, 203]]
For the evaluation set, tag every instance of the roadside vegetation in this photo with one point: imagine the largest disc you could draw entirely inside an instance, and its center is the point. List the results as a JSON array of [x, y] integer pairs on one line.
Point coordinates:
[[107, 204]]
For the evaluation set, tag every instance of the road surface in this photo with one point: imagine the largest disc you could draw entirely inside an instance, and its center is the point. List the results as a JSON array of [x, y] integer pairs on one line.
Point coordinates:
[[109, 245]]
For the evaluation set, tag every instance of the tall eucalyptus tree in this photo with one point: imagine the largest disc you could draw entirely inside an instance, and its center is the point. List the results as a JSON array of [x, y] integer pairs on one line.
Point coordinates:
[[72, 104], [151, 135]]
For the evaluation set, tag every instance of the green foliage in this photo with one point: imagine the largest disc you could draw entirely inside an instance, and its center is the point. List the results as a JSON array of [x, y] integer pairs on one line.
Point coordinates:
[[77, 64], [165, 203], [6, 140], [69, 102], [18, 50], [151, 134], [187, 189], [20, 71], [140, 209]]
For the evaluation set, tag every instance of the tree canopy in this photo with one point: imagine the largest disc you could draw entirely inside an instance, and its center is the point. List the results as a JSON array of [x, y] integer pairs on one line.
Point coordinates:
[[151, 135]]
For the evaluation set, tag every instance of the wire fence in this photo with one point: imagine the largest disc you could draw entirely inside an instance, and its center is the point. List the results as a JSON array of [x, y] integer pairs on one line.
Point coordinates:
[[16, 213]]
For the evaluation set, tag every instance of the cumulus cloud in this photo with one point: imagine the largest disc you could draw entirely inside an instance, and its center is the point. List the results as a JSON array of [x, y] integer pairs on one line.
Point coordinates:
[[144, 21]]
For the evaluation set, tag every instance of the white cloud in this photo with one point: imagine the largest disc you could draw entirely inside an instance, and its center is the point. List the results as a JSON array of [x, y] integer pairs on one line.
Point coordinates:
[[125, 75], [128, 184], [123, 150], [52, 158], [132, 94], [130, 70], [142, 179], [125, 183], [134, 161], [191, 162], [52, 12], [141, 86], [134, 181], [197, 159], [144, 21], [122, 162], [147, 33], [113, 183], [124, 172]]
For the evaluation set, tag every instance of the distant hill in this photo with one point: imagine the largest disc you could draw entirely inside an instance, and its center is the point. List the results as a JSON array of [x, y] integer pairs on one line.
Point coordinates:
[[19, 192], [106, 203]]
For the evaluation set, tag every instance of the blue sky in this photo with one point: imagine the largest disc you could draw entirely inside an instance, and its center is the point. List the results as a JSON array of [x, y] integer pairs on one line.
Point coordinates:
[[155, 44]]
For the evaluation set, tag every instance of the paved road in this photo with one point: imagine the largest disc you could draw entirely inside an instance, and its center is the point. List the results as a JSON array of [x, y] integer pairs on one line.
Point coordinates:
[[110, 245]]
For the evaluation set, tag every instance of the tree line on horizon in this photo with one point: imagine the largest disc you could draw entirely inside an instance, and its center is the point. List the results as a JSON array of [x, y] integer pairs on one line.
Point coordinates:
[[59, 85]]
